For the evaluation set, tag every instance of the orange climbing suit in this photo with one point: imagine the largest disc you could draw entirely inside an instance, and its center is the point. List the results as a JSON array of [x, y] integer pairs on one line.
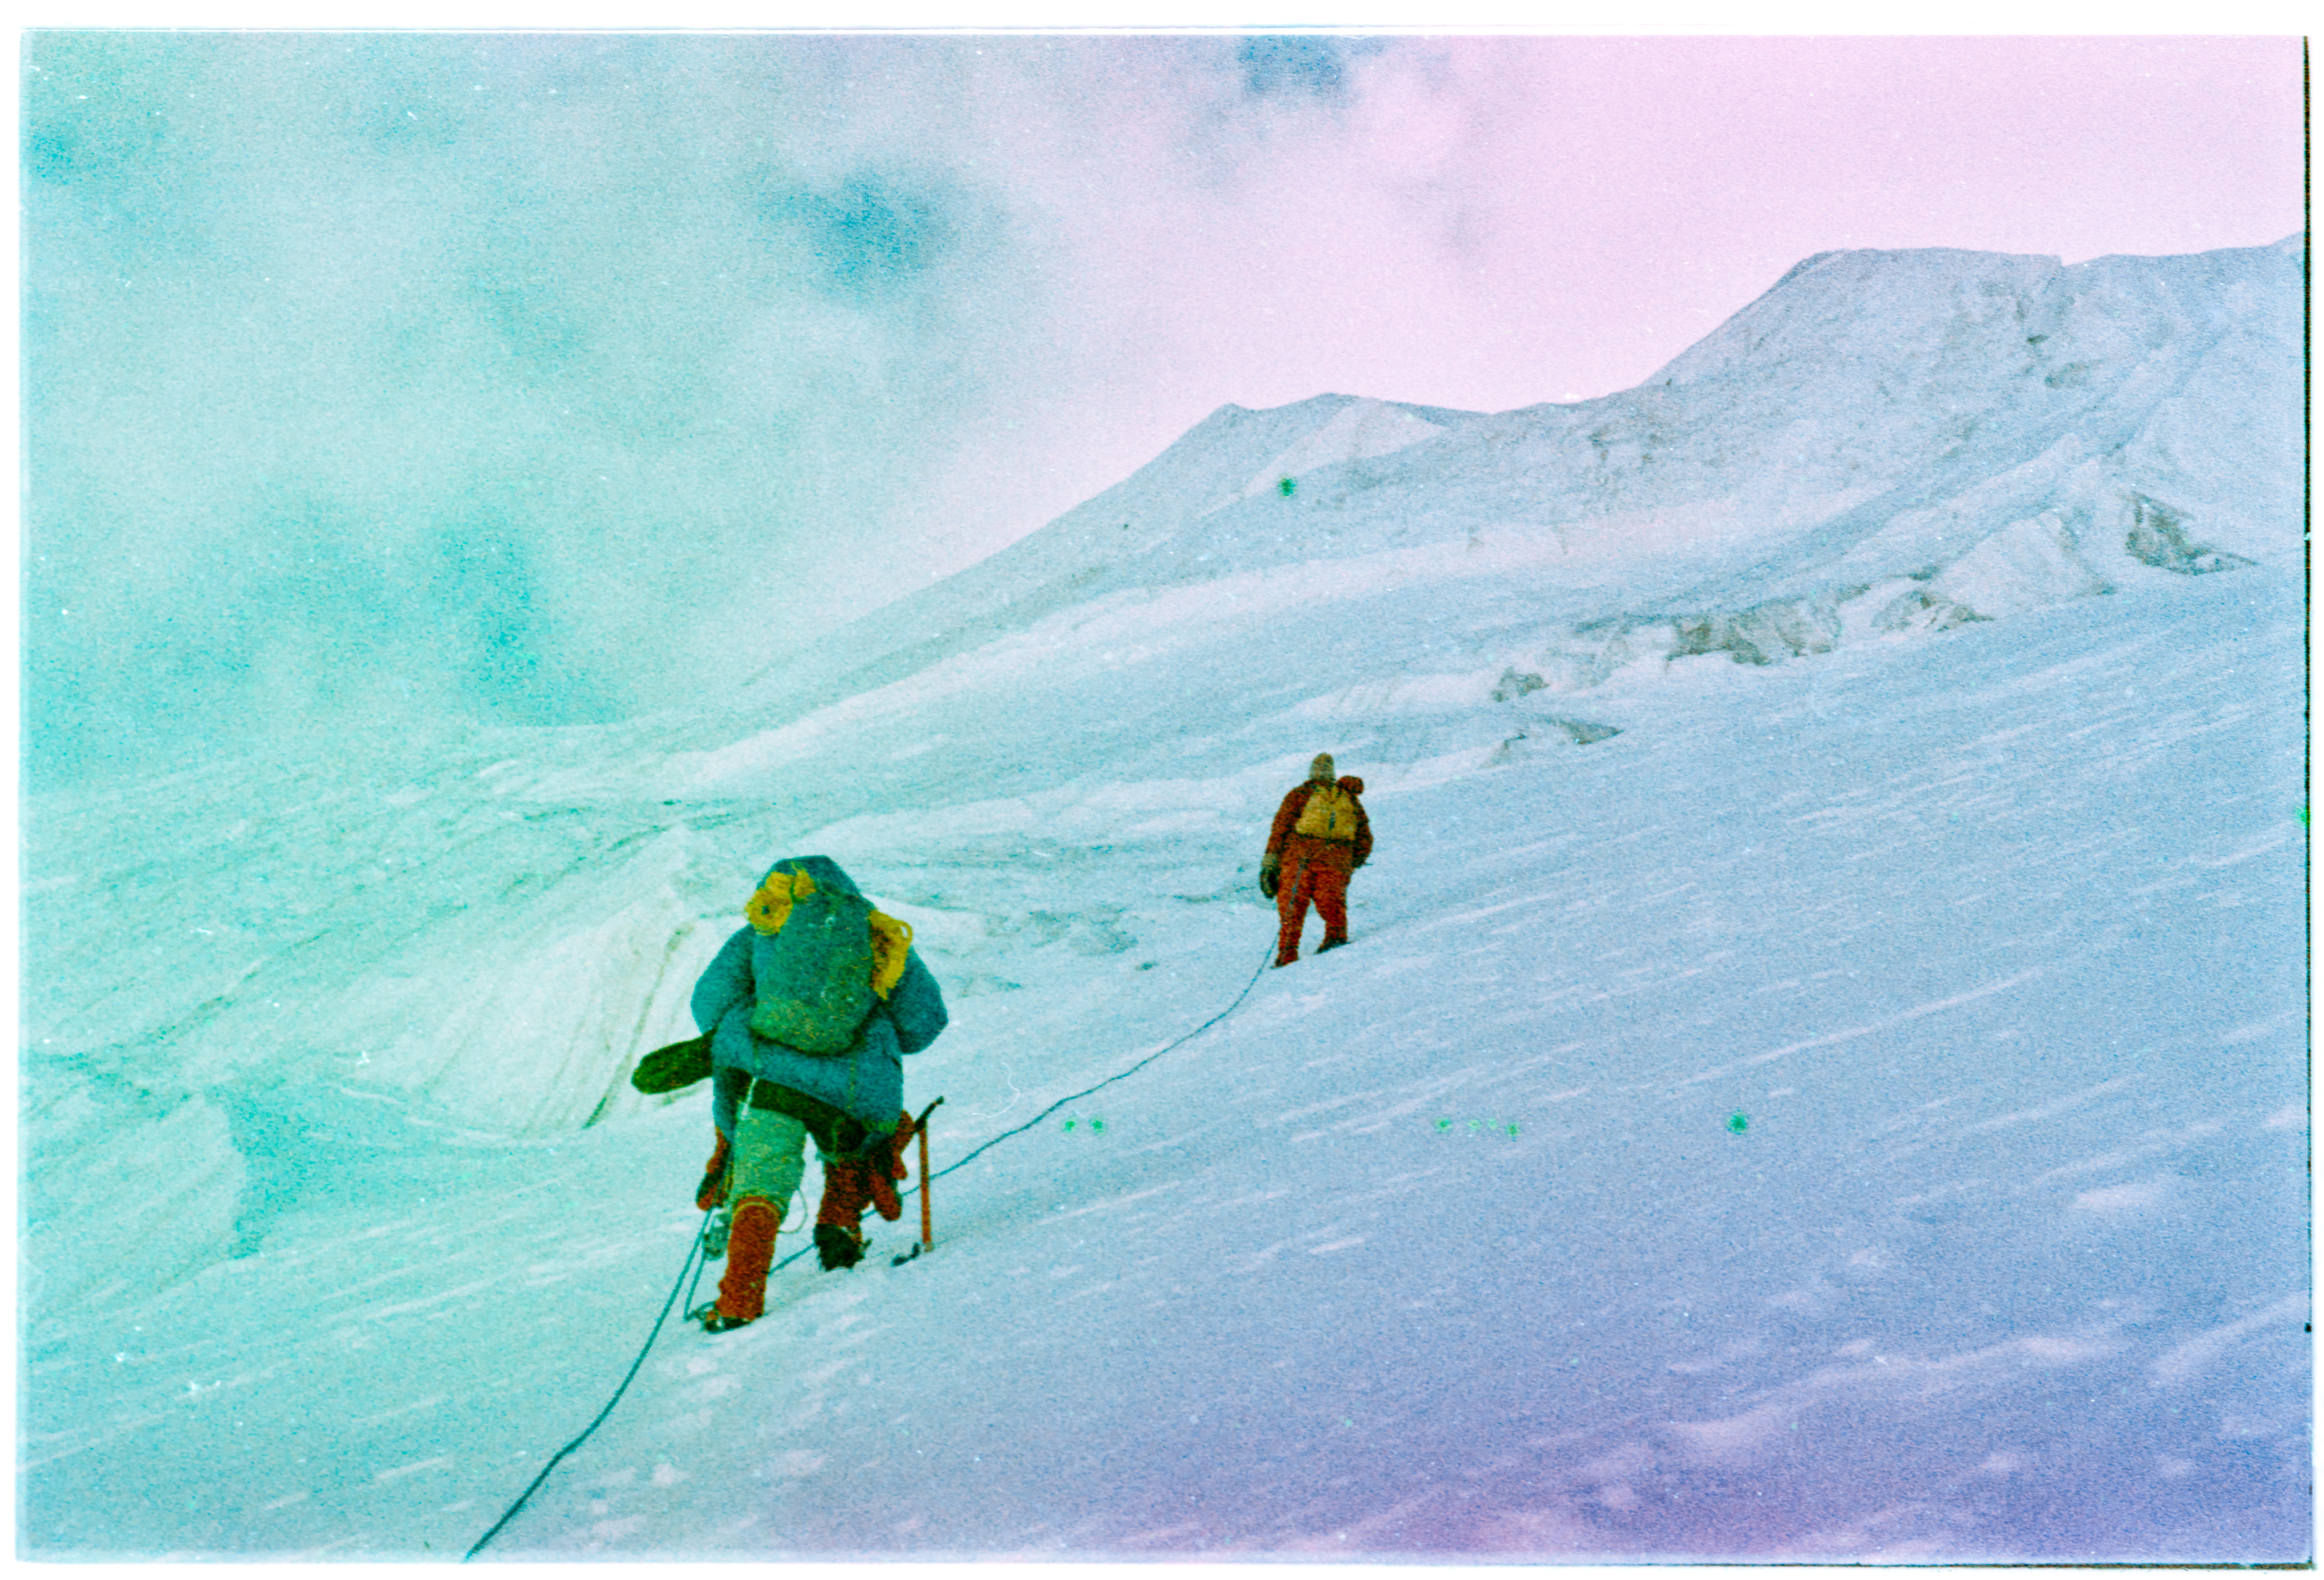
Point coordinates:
[[1313, 868]]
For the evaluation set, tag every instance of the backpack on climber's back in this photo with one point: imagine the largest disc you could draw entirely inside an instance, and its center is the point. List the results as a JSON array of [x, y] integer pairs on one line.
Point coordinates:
[[1330, 813], [820, 963]]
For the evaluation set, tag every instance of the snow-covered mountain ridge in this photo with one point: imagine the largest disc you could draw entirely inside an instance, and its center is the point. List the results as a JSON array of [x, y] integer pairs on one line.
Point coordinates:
[[2006, 870], [1431, 606], [1866, 423]]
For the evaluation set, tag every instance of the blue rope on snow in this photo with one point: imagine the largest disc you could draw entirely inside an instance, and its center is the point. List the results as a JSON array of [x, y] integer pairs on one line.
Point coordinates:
[[691, 1251], [694, 1250], [1110, 1080], [1060, 1102]]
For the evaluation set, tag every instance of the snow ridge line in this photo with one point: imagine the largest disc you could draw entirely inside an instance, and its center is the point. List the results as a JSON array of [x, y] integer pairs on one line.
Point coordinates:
[[692, 1250]]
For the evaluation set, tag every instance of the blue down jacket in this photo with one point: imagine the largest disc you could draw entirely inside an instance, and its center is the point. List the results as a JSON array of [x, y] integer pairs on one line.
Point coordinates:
[[867, 1080]]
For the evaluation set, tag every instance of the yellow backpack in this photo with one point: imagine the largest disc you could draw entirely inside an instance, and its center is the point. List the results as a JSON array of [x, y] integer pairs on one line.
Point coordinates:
[[1330, 813]]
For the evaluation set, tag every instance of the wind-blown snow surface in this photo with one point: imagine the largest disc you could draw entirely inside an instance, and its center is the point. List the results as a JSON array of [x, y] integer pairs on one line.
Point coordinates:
[[1848, 1108]]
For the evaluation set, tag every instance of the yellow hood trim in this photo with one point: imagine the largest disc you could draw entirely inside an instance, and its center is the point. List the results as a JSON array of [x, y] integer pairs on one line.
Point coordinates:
[[771, 907], [891, 945]]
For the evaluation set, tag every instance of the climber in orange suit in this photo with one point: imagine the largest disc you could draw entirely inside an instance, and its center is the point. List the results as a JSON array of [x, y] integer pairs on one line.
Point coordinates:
[[1321, 834]]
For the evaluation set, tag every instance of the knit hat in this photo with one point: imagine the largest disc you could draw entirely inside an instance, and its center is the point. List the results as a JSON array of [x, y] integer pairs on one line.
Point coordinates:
[[1320, 769]]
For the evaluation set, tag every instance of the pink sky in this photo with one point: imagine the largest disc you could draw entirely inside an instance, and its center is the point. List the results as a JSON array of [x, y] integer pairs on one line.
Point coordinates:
[[1491, 222], [715, 315]]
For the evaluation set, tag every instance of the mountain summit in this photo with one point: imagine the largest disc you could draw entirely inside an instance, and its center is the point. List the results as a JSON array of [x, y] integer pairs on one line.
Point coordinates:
[[1869, 422]]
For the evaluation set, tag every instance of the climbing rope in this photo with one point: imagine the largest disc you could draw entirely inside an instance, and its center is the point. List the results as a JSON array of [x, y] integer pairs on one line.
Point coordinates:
[[1124, 1075], [1077, 1096], [694, 1250]]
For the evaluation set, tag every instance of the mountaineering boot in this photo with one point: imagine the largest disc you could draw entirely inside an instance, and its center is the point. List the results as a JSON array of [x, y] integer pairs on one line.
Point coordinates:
[[838, 1245], [1331, 944], [749, 1251], [846, 1186]]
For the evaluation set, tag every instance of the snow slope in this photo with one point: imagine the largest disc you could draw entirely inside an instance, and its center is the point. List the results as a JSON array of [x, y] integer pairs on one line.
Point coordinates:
[[1870, 420], [1843, 1108]]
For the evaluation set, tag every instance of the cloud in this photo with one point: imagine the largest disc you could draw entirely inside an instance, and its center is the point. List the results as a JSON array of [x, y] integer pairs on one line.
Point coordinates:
[[378, 379], [541, 379], [460, 374], [1289, 63]]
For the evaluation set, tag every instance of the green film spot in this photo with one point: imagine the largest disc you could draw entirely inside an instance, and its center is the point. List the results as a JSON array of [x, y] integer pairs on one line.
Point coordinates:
[[1288, 484], [1069, 1124], [1738, 1122], [1097, 1124]]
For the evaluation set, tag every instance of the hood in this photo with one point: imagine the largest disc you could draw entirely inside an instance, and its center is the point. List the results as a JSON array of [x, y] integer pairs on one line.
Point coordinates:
[[821, 868]]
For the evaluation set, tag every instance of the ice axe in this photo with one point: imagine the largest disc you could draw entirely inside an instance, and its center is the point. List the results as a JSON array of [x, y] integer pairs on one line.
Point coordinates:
[[928, 1225]]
